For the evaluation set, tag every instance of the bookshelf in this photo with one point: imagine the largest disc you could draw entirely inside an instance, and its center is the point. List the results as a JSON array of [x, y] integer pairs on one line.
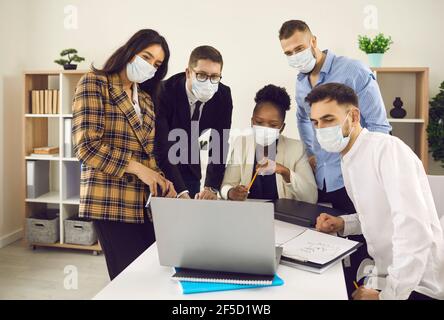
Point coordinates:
[[412, 85], [49, 130]]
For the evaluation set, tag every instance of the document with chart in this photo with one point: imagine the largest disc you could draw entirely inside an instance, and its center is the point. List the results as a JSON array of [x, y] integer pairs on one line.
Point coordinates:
[[315, 251]]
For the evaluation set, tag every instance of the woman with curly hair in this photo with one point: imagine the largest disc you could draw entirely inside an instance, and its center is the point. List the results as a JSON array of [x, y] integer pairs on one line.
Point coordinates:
[[281, 164]]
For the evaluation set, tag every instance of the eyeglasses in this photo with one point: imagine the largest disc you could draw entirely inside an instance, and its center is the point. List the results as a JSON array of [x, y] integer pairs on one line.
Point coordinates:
[[202, 77]]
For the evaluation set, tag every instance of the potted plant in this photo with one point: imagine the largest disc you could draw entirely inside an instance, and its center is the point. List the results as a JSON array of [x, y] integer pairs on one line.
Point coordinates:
[[375, 48], [435, 129], [71, 57]]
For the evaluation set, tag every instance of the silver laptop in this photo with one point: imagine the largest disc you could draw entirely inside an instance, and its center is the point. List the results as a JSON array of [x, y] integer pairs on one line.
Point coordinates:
[[227, 236]]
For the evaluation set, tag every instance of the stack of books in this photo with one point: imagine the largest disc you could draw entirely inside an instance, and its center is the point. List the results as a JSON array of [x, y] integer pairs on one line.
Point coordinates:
[[45, 102], [199, 281], [44, 152]]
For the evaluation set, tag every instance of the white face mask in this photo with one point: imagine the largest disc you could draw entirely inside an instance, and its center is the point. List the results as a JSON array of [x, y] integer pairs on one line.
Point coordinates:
[[203, 91], [265, 136], [331, 139], [140, 70], [303, 61]]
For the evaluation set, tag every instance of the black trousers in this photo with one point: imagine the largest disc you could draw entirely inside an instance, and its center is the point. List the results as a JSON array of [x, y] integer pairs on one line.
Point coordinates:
[[340, 200], [123, 242], [419, 297]]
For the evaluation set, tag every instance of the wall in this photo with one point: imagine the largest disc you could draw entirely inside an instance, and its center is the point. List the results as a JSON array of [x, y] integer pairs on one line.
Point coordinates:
[[244, 31], [13, 40]]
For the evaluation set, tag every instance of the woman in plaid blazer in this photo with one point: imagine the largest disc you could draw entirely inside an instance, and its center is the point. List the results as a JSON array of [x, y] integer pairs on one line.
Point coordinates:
[[113, 135]]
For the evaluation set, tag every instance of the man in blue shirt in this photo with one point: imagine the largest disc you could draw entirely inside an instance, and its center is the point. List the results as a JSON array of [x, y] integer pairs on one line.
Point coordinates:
[[317, 67]]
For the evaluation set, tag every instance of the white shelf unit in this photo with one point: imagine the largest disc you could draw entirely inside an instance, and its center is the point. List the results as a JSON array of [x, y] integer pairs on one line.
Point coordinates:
[[412, 86], [48, 130]]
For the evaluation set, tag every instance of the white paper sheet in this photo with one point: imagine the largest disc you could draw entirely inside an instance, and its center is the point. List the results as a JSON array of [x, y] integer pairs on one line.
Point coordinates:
[[316, 247]]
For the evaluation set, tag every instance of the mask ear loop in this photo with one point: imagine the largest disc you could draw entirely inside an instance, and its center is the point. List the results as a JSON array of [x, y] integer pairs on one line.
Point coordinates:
[[351, 130]]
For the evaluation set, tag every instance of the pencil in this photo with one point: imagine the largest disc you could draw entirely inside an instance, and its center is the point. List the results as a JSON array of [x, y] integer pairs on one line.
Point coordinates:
[[252, 180], [356, 285]]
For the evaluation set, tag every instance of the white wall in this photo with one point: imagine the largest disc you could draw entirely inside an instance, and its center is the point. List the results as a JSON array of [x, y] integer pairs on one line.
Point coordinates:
[[244, 31], [12, 40]]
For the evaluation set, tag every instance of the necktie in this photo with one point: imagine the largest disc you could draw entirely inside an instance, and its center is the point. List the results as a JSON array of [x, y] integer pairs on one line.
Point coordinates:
[[196, 113]]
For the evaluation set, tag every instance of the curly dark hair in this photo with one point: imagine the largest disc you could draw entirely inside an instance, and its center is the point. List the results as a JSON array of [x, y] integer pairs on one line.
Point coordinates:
[[275, 95]]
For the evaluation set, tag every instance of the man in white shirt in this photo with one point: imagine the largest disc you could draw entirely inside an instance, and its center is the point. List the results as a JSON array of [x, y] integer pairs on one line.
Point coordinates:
[[389, 189]]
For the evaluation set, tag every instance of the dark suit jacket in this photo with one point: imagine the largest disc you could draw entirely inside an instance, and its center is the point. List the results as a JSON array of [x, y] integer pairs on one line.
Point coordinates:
[[173, 112]]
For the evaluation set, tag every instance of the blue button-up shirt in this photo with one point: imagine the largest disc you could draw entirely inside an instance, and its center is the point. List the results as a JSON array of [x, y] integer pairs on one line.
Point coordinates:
[[360, 78]]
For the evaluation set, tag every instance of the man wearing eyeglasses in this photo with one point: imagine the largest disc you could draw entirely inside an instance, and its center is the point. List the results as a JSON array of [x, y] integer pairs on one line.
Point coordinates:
[[188, 104]]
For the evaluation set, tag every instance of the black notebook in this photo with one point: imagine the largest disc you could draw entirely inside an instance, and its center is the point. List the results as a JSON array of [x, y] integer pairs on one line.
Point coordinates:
[[301, 213], [183, 274]]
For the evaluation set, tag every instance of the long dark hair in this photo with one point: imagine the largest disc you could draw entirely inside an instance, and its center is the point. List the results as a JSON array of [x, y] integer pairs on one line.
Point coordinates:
[[139, 41]]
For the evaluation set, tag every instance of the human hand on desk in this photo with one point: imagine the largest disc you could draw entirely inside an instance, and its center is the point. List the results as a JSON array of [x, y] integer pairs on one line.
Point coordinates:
[[206, 194], [328, 224], [238, 193], [363, 293]]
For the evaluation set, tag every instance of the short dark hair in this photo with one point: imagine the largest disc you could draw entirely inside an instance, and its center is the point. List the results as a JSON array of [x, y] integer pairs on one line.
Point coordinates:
[[275, 95], [205, 53], [290, 27], [338, 92]]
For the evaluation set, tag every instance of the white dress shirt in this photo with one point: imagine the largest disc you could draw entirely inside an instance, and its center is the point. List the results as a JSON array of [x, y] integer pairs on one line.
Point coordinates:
[[135, 102], [396, 214], [192, 101]]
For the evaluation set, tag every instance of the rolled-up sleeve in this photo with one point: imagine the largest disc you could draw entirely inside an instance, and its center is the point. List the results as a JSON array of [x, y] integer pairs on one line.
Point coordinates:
[[371, 104], [352, 225]]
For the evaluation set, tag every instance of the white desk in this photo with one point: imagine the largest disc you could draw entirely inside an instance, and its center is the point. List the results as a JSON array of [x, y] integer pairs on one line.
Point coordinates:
[[146, 279]]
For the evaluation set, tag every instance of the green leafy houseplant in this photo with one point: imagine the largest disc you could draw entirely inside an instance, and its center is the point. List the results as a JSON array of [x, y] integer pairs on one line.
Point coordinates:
[[435, 129], [71, 57], [379, 44], [375, 48]]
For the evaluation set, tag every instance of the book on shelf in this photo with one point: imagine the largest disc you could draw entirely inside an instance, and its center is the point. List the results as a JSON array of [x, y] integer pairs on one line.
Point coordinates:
[[46, 150], [39, 155], [45, 101], [55, 101], [42, 101], [33, 101]]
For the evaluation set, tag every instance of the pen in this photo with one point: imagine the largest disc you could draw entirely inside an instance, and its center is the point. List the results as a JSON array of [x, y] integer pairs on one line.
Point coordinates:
[[252, 180], [356, 285]]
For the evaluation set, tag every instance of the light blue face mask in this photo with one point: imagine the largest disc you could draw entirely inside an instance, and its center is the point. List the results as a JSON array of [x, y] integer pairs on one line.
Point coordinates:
[[203, 90], [332, 139], [140, 70], [303, 61]]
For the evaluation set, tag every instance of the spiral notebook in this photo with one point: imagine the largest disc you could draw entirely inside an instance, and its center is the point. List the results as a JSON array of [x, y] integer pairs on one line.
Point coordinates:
[[189, 287], [183, 274]]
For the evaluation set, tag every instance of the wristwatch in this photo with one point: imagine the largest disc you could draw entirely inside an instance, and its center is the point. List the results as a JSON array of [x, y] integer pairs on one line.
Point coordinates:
[[213, 190]]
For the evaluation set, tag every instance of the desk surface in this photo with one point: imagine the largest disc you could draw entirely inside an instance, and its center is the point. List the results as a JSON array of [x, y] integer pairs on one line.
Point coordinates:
[[146, 279]]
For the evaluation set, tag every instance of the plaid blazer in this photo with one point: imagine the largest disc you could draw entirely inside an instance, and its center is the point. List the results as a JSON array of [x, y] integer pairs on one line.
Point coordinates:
[[106, 134]]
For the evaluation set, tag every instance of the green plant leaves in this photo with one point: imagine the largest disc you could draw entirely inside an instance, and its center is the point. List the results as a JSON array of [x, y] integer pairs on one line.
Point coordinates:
[[435, 129], [72, 57], [379, 44]]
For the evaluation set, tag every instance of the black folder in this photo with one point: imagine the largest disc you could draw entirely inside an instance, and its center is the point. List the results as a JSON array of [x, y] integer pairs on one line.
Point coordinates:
[[302, 213]]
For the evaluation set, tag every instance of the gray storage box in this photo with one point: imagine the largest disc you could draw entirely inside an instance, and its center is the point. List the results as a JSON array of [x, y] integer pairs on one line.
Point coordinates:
[[80, 231], [43, 228]]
